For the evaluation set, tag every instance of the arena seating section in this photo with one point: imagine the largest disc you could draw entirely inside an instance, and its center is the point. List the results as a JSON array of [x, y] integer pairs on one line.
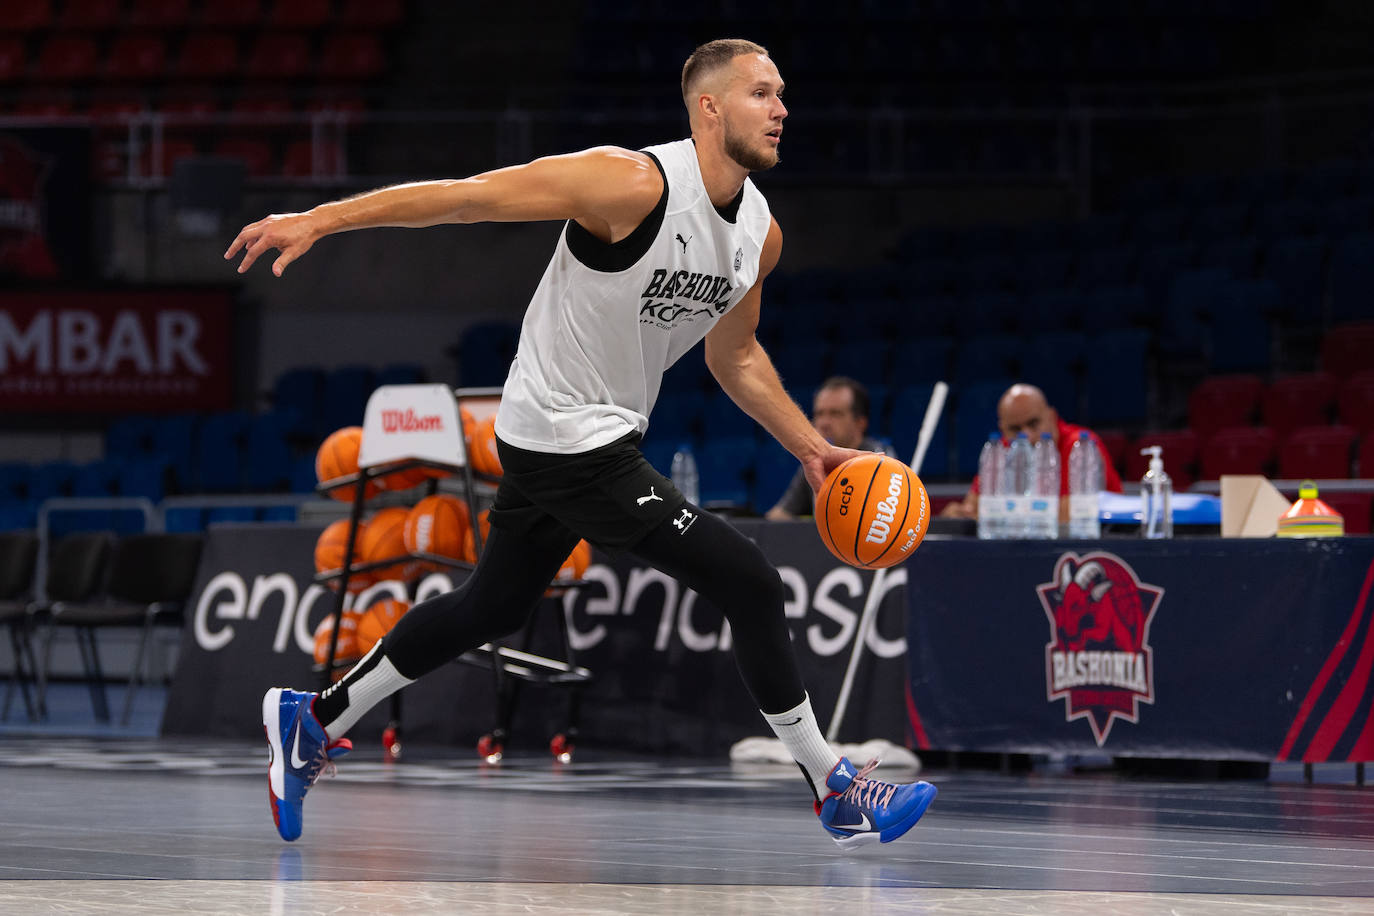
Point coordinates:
[[112, 58], [1227, 318]]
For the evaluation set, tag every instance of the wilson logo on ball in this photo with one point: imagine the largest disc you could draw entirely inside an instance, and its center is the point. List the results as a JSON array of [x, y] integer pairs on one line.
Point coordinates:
[[872, 511]]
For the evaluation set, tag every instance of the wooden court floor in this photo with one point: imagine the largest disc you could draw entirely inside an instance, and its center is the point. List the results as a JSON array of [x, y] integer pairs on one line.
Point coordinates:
[[162, 826]]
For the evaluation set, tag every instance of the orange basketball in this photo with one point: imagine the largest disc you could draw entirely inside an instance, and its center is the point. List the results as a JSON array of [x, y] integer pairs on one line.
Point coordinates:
[[383, 537], [377, 621], [329, 553], [346, 650], [338, 457], [482, 448], [470, 542], [438, 524], [407, 479], [872, 511]]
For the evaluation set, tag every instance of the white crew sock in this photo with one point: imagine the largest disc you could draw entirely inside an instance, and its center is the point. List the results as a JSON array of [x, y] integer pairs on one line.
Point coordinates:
[[369, 682], [797, 730]]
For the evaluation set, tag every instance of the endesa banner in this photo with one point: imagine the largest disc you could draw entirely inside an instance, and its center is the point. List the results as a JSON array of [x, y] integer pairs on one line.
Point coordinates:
[[664, 676], [1196, 647], [116, 350]]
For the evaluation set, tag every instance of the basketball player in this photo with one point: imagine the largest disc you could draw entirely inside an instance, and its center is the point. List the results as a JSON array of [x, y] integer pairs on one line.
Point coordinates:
[[661, 248]]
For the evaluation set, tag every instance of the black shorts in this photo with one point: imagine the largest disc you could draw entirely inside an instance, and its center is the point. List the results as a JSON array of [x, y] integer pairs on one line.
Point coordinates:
[[611, 495]]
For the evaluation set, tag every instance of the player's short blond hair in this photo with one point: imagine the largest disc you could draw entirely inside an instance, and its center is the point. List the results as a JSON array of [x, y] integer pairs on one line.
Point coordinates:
[[710, 58]]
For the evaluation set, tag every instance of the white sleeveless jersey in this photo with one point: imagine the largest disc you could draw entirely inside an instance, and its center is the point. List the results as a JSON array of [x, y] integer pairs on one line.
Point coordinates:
[[608, 319]]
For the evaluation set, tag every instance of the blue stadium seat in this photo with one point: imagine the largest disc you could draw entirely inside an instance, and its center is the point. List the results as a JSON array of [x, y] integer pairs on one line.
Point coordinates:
[[774, 468], [267, 451], [1287, 217], [725, 466], [183, 520], [975, 415], [722, 419], [987, 356], [303, 477], [659, 453], [1056, 309], [1344, 217], [219, 451], [18, 515], [1193, 295], [1113, 307], [52, 480], [15, 480], [1220, 221], [907, 412], [145, 477], [802, 365], [284, 514], [993, 312], [1297, 266], [1054, 362], [1106, 266], [688, 375], [1115, 378], [1160, 226], [1158, 266], [129, 436], [401, 374], [920, 359], [301, 389], [676, 416], [174, 438], [865, 360], [1352, 278], [346, 390], [232, 514], [991, 272], [1045, 270], [1327, 182], [1239, 324], [1237, 255], [485, 351], [1257, 187]]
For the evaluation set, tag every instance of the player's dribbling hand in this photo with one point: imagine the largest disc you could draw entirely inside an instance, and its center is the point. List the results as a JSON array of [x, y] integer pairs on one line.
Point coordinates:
[[290, 233], [818, 468]]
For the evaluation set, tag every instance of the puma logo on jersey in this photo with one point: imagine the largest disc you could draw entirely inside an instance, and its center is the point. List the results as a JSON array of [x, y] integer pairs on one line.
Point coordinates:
[[652, 496], [683, 241]]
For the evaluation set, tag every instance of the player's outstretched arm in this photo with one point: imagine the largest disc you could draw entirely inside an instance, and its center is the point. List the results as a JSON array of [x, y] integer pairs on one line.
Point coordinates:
[[606, 189], [744, 371]]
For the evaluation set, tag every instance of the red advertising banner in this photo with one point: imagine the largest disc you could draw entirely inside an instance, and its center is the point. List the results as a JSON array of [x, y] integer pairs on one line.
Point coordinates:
[[121, 350]]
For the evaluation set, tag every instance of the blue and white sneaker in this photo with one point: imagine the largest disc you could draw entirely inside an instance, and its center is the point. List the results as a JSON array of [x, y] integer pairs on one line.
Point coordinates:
[[299, 749], [860, 810]]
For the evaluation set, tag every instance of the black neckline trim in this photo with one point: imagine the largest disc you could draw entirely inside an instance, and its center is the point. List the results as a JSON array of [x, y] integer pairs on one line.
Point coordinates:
[[731, 210], [613, 257]]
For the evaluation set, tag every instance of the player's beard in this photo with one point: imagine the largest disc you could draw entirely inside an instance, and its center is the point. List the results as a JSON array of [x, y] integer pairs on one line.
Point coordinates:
[[753, 159]]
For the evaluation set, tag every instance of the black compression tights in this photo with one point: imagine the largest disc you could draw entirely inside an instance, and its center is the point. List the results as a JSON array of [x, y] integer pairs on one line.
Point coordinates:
[[711, 557]]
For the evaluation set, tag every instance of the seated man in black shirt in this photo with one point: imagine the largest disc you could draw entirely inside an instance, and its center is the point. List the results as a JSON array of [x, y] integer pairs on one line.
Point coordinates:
[[840, 414]]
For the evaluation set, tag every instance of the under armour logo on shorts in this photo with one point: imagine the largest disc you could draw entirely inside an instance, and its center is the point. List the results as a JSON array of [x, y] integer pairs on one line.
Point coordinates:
[[684, 521]]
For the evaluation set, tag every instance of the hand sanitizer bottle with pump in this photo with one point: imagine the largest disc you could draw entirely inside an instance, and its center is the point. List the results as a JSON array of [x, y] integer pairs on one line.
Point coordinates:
[[1156, 498]]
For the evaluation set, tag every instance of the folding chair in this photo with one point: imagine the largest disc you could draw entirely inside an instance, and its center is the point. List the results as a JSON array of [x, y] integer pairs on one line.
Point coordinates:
[[150, 579], [18, 562]]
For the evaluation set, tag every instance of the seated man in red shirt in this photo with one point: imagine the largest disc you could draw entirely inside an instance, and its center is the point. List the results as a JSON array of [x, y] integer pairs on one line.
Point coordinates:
[[1023, 408]]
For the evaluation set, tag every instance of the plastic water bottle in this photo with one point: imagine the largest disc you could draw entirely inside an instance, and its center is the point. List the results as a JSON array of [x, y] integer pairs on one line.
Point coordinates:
[[1016, 486], [989, 488], [684, 474], [1044, 498], [1085, 487], [1156, 498]]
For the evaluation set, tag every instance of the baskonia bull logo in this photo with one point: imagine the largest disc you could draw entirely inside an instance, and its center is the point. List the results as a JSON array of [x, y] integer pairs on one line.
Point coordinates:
[[1098, 659]]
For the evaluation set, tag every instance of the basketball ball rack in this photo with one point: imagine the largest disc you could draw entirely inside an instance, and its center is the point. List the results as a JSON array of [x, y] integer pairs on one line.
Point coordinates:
[[425, 431]]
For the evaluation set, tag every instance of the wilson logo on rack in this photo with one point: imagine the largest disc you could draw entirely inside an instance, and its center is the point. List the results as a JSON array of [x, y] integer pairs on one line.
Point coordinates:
[[408, 421]]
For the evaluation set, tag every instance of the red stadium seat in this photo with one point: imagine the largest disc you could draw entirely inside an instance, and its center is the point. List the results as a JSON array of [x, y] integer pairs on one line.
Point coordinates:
[[298, 14], [90, 14], [136, 57], [1346, 348], [1222, 401], [172, 150], [26, 15], [1356, 508], [262, 103], [1115, 442], [256, 154], [299, 160], [1319, 452], [66, 58], [231, 14], [278, 56], [160, 14], [117, 103], [1304, 399], [351, 56], [45, 103], [12, 59], [372, 14], [1179, 456], [1238, 450], [1366, 456], [1357, 402], [207, 56]]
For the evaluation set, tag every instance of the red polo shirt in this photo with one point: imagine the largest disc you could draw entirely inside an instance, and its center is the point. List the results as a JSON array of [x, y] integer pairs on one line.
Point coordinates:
[[1068, 435]]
